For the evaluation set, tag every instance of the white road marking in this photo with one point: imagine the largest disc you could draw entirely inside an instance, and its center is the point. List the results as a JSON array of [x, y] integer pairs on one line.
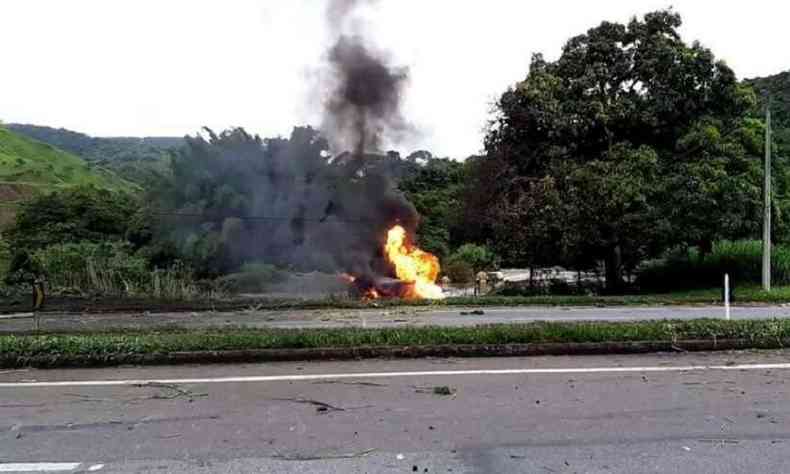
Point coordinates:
[[16, 316], [39, 466], [369, 375]]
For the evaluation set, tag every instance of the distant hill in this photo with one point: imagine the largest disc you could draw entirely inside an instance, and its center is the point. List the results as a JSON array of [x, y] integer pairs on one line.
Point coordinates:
[[99, 148], [778, 88], [138, 159], [28, 166]]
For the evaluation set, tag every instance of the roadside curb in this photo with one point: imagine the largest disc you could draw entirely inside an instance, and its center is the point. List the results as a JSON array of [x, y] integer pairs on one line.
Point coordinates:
[[10, 361]]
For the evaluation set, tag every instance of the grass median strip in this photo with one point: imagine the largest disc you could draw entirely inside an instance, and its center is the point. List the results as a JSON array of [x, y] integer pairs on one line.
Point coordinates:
[[125, 342], [746, 294]]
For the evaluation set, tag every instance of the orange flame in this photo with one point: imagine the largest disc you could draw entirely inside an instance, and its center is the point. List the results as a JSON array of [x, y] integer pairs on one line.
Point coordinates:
[[413, 265]]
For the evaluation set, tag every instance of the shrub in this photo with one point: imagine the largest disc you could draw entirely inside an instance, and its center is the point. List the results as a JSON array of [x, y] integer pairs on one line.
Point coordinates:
[[459, 271], [110, 268], [687, 269], [104, 267], [477, 256], [69, 215]]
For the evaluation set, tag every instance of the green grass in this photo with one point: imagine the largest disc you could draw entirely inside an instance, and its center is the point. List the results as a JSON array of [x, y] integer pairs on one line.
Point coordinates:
[[24, 161], [694, 297], [761, 333], [750, 294]]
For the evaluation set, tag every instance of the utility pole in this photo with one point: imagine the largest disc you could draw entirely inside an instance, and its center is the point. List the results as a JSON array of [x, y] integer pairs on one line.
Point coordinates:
[[767, 203]]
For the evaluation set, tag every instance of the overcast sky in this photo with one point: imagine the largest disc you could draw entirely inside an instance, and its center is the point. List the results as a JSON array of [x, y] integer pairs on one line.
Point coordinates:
[[168, 67]]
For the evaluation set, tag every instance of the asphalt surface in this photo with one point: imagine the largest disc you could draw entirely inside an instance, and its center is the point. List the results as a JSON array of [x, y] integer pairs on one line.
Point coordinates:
[[391, 317], [659, 413]]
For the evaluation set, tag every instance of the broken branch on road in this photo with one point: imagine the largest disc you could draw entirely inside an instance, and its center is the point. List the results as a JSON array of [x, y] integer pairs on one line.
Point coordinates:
[[300, 457], [340, 382], [322, 407], [177, 392]]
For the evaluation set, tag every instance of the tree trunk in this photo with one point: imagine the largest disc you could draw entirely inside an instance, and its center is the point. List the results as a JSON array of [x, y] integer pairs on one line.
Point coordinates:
[[705, 248], [614, 280]]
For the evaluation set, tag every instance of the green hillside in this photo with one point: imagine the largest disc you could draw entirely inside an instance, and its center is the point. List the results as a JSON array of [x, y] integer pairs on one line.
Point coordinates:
[[28, 167], [144, 161], [28, 162]]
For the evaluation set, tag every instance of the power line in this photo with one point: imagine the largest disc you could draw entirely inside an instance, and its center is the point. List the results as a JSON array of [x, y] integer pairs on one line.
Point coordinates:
[[228, 215], [329, 218]]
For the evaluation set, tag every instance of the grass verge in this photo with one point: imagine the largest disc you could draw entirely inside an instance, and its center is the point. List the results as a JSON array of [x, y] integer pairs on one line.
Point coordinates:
[[114, 347], [745, 295]]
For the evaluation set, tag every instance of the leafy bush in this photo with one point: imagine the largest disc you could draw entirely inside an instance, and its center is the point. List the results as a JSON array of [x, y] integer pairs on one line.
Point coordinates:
[[687, 269], [459, 271], [107, 268], [477, 256], [70, 215], [111, 268]]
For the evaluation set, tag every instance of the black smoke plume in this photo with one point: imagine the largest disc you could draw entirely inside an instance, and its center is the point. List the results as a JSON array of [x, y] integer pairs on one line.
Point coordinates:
[[318, 200], [364, 106], [362, 110]]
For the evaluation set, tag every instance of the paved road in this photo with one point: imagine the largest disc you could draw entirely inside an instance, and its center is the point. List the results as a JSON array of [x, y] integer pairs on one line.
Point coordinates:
[[617, 414], [392, 317]]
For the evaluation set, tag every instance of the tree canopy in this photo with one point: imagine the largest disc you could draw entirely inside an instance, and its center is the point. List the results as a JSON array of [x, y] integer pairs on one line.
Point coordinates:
[[630, 142]]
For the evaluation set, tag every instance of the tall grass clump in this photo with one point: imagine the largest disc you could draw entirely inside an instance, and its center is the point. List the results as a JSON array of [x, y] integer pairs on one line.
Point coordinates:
[[688, 269], [112, 269]]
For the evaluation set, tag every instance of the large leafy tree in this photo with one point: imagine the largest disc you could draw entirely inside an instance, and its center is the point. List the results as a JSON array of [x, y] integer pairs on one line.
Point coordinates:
[[434, 187], [613, 144]]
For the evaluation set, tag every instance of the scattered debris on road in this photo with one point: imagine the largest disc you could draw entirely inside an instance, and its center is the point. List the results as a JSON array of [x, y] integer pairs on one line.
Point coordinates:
[[477, 312], [320, 457], [321, 406], [176, 392], [340, 382], [443, 390]]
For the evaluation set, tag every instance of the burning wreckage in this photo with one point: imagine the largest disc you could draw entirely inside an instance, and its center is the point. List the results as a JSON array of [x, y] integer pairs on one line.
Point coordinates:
[[416, 272], [362, 108]]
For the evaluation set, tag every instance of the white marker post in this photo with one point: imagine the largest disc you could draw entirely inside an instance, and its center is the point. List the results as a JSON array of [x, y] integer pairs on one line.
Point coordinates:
[[727, 296]]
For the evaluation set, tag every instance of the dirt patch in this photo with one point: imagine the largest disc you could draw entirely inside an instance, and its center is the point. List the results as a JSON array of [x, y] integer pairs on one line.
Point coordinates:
[[11, 194]]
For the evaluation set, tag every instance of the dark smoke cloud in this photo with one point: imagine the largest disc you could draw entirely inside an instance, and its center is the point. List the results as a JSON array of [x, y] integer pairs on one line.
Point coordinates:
[[362, 110], [331, 212], [364, 105]]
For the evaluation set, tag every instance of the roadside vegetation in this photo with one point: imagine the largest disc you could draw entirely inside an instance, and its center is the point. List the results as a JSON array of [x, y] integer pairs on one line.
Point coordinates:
[[26, 161], [635, 157], [110, 347], [687, 268]]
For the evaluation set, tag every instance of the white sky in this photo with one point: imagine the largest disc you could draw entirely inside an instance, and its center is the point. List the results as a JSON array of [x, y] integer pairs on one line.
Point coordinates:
[[168, 67]]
